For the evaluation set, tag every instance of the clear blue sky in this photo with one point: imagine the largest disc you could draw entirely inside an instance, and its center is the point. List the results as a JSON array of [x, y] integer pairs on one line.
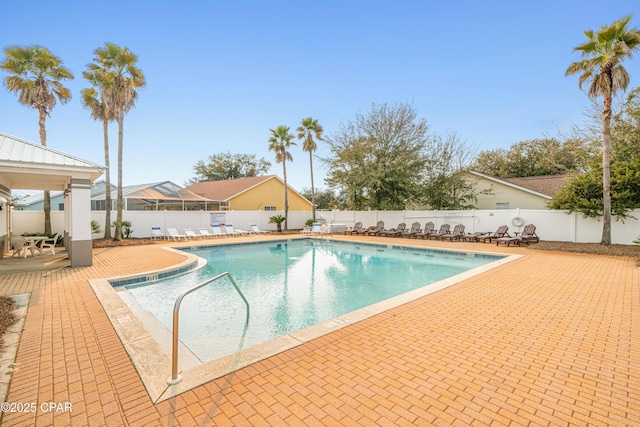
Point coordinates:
[[221, 74]]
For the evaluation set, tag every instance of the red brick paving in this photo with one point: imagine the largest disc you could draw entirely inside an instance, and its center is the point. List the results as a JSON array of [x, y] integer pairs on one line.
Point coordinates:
[[549, 339]]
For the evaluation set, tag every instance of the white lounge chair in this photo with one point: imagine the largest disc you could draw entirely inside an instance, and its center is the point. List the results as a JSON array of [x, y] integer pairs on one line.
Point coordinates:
[[205, 234], [157, 232], [191, 234], [50, 243], [217, 231], [232, 232], [314, 229], [256, 230], [173, 233]]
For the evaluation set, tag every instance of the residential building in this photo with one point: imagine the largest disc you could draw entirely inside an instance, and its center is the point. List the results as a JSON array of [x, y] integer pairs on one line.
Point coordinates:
[[252, 193]]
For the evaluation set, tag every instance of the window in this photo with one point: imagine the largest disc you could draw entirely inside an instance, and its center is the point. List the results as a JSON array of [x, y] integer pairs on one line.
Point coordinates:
[[98, 205], [60, 206], [270, 208], [502, 205]]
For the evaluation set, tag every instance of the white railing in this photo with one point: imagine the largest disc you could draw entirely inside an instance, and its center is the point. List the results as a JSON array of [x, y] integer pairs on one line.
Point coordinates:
[[551, 225]]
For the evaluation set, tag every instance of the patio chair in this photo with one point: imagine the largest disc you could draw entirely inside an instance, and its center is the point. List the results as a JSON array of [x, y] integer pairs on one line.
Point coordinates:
[[444, 230], [324, 229], [393, 232], [415, 229], [256, 230], [191, 234], [173, 233], [233, 232], [205, 233], [310, 230], [528, 236], [473, 237], [50, 243], [217, 231], [500, 232], [456, 234], [157, 232], [21, 246], [429, 228], [356, 228], [375, 230]]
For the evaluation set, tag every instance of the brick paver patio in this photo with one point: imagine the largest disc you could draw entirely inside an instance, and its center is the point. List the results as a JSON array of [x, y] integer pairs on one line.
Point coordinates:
[[549, 339]]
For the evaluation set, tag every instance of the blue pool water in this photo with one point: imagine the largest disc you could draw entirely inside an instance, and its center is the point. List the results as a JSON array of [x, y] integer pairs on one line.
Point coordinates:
[[290, 285]]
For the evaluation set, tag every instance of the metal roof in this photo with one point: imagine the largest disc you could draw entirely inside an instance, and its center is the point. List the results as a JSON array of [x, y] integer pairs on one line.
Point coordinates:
[[18, 150], [26, 165]]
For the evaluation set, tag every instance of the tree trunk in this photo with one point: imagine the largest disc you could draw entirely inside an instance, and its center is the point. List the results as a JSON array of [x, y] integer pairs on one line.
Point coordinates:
[[42, 117], [117, 234], [286, 195], [606, 171], [313, 189], [107, 180]]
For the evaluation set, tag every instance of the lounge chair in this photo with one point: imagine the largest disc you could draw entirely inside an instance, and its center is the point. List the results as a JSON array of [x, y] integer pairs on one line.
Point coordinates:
[[356, 228], [157, 232], [473, 237], [500, 232], [528, 236], [375, 230], [364, 231], [393, 232], [415, 229], [173, 233], [444, 230], [310, 230], [204, 233], [428, 229], [256, 230], [191, 234], [456, 234], [217, 231], [233, 232], [50, 243]]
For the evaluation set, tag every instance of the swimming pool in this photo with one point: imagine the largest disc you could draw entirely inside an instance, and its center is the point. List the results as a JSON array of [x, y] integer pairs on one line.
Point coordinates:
[[290, 285]]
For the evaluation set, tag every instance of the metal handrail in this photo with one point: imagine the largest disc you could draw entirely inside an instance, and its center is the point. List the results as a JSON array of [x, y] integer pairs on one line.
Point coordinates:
[[175, 378]]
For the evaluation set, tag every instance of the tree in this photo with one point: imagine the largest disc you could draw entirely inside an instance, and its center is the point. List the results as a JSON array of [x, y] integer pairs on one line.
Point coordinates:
[[36, 77], [447, 184], [584, 193], [92, 99], [325, 199], [376, 161], [536, 157], [120, 79], [601, 66], [307, 130], [229, 166], [280, 142]]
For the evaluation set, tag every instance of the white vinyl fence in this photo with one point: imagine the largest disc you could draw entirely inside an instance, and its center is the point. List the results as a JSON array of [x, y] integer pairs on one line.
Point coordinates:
[[551, 225]]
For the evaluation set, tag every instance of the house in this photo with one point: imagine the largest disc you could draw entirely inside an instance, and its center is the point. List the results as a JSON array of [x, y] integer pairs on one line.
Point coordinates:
[[533, 192], [252, 193], [158, 196], [35, 201]]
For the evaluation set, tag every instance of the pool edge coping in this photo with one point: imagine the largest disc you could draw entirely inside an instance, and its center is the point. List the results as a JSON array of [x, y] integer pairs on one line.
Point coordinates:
[[153, 363]]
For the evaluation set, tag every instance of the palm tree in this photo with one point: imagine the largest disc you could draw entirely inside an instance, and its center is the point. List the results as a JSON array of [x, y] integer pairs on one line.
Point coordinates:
[[307, 129], [601, 66], [120, 78], [92, 99], [36, 76], [279, 142]]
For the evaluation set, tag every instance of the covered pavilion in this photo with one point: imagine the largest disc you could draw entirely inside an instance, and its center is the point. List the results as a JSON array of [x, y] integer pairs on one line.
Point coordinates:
[[25, 165]]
